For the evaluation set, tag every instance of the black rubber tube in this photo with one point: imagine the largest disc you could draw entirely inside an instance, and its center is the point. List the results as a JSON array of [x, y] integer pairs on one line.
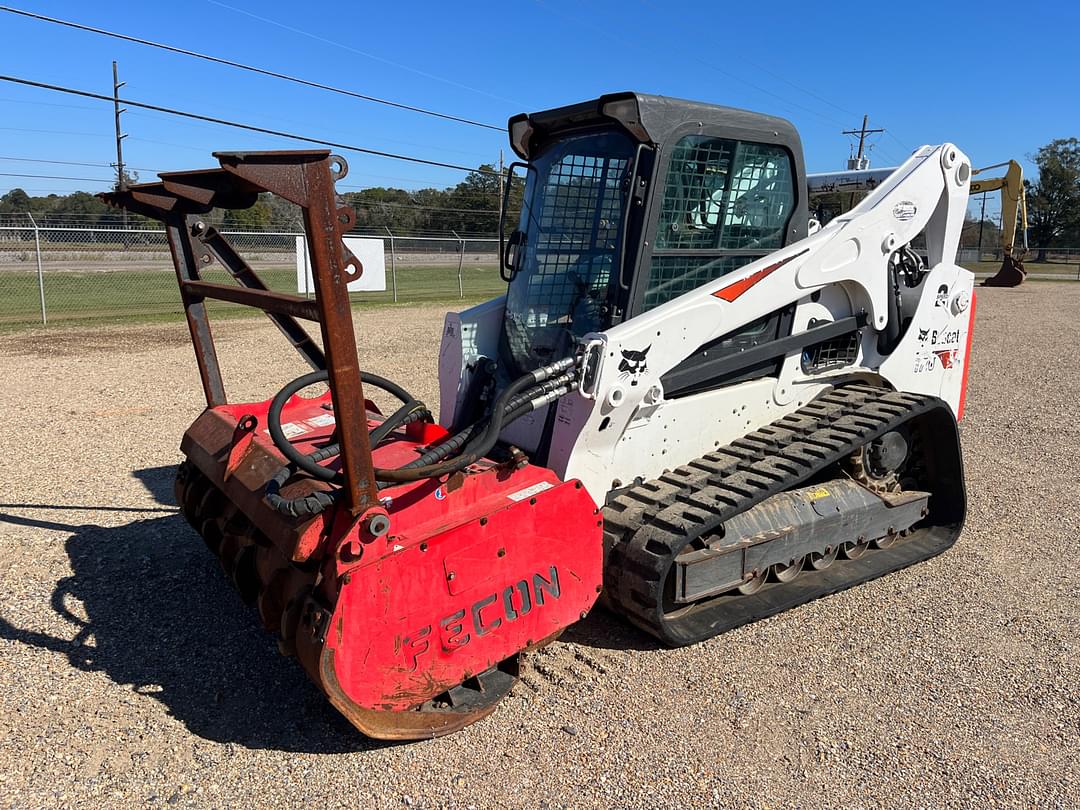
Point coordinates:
[[463, 437], [273, 417], [514, 402], [474, 450]]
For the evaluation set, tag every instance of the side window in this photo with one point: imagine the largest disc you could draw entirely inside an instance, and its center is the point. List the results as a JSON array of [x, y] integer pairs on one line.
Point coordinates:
[[720, 196]]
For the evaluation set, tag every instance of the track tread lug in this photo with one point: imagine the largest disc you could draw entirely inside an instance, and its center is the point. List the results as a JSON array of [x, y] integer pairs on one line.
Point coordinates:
[[648, 525]]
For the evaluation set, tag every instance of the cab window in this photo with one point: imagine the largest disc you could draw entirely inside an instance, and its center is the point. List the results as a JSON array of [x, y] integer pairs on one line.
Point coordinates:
[[726, 203]]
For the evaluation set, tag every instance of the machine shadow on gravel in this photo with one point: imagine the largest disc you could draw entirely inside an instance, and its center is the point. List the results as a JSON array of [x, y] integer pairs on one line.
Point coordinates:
[[163, 619], [158, 482], [604, 630]]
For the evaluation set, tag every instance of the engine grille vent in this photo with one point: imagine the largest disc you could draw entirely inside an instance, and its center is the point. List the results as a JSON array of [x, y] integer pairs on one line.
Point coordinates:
[[829, 354]]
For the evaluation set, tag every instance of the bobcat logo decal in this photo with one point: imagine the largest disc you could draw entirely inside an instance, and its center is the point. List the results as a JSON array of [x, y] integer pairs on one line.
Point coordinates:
[[633, 364], [922, 334]]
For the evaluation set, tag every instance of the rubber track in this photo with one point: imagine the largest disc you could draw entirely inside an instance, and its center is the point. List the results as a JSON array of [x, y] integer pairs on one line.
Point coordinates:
[[647, 525]]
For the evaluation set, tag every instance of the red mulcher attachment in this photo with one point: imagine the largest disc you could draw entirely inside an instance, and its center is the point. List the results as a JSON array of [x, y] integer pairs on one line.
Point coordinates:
[[1011, 274], [405, 568]]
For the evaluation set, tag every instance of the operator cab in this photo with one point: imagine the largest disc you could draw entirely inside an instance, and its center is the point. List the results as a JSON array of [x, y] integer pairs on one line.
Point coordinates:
[[631, 200]]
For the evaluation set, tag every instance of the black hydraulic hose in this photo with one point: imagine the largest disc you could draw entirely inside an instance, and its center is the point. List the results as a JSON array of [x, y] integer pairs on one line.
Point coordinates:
[[507, 409], [519, 398], [316, 502], [273, 417], [308, 505], [408, 413], [463, 437], [475, 449], [389, 386]]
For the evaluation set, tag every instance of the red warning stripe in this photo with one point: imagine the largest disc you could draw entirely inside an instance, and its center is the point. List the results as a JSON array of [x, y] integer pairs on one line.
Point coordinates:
[[735, 289], [967, 359]]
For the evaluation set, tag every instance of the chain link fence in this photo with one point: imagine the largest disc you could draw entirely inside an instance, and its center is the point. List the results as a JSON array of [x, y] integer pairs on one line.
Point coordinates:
[[64, 274], [70, 274]]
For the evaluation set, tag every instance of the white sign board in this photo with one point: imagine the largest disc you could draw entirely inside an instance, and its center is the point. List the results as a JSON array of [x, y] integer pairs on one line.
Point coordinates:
[[368, 251]]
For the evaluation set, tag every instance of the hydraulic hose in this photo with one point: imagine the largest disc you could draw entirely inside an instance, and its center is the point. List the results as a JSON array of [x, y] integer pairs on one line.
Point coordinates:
[[273, 417], [316, 502], [507, 409], [311, 504], [522, 396], [463, 437]]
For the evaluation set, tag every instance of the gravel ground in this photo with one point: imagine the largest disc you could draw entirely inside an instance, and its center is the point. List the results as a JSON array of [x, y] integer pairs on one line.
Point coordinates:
[[131, 674]]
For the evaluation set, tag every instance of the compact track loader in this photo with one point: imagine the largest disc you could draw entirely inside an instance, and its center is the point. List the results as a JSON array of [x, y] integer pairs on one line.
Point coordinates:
[[685, 406]]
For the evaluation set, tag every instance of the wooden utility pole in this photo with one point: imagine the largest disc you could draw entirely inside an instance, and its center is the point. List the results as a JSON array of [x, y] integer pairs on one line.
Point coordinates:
[[502, 193], [862, 132], [982, 219], [121, 176]]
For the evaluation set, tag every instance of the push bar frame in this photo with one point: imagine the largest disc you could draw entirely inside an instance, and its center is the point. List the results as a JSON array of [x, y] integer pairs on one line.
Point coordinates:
[[303, 177]]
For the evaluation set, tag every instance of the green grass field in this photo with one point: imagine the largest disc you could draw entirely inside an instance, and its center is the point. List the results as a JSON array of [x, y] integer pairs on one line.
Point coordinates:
[[127, 295], [139, 295]]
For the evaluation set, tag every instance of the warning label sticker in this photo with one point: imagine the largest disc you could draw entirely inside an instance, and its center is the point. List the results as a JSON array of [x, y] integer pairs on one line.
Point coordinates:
[[528, 492], [294, 429], [291, 429]]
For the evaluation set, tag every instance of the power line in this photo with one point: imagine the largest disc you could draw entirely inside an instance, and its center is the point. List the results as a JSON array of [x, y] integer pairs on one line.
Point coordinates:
[[53, 132], [355, 202], [73, 163], [237, 125], [57, 177], [250, 68], [472, 195], [907, 148], [365, 54], [690, 55], [470, 154], [777, 76], [47, 104]]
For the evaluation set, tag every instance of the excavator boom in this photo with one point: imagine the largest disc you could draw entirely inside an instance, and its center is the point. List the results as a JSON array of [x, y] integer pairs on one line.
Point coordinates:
[[1013, 207]]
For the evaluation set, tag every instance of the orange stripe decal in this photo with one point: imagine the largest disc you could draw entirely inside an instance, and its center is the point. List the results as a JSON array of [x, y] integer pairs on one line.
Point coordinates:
[[967, 360], [732, 291]]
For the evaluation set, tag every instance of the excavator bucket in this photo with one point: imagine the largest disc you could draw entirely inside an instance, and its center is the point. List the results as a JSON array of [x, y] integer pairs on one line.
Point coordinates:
[[1011, 274]]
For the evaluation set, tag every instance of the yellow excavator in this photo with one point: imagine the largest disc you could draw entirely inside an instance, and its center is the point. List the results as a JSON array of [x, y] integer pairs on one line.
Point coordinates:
[[1013, 207]]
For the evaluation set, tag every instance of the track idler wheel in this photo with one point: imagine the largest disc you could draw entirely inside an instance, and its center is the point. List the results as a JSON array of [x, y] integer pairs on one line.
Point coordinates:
[[785, 573], [819, 561], [754, 584], [852, 551]]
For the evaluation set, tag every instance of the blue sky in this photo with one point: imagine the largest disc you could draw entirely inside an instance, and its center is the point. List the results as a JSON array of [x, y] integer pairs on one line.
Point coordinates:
[[986, 76]]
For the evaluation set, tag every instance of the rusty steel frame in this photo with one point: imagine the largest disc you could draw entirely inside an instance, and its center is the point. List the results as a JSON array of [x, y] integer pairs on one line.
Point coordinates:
[[305, 178]]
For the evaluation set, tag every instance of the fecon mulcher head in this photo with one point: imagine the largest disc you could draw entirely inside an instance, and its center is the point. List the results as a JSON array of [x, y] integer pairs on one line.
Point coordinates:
[[685, 403]]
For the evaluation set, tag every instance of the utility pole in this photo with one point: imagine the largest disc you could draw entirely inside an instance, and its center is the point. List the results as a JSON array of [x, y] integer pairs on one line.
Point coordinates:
[[859, 162], [121, 177], [982, 219], [502, 193]]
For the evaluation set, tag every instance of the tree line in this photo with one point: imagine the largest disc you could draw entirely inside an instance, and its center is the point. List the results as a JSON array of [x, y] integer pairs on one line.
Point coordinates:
[[470, 207], [1054, 198]]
